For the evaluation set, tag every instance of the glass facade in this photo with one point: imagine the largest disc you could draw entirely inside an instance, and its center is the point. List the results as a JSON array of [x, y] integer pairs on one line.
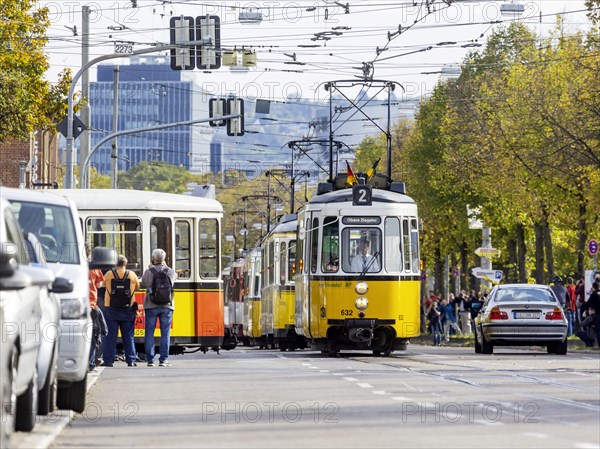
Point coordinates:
[[149, 95]]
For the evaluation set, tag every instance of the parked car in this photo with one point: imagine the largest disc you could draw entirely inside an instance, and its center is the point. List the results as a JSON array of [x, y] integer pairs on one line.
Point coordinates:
[[21, 288], [521, 315], [47, 363], [55, 222]]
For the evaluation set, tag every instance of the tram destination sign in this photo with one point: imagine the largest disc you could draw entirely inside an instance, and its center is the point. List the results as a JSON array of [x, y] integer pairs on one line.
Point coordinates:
[[361, 220]]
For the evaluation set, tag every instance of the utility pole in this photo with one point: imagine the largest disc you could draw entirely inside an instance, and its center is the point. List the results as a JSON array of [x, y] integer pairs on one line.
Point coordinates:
[[486, 242], [114, 161], [85, 141]]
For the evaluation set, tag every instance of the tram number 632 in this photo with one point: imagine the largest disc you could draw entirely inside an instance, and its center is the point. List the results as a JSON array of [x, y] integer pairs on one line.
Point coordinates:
[[362, 195], [346, 312]]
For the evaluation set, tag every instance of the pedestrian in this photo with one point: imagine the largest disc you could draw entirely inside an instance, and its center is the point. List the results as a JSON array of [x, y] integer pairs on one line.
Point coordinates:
[[593, 303], [570, 306], [120, 309], [579, 299], [449, 319], [158, 280], [587, 334], [99, 328], [435, 323], [462, 306], [559, 290]]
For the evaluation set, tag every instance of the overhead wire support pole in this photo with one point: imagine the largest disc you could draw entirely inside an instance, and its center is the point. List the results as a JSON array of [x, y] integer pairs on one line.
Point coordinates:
[[70, 159]]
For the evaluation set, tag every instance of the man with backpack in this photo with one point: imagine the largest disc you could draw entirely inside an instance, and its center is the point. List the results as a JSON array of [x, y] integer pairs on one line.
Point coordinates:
[[120, 310], [158, 303]]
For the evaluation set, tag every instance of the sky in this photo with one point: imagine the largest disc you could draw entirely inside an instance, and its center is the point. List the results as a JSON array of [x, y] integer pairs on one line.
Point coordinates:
[[301, 45]]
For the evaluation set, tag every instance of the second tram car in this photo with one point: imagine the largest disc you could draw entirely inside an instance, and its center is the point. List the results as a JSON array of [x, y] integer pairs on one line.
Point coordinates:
[[187, 228], [358, 279], [252, 322], [277, 298]]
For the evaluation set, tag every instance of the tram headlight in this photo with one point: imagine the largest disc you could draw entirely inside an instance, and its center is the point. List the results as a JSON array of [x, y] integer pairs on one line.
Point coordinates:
[[361, 288], [361, 303]]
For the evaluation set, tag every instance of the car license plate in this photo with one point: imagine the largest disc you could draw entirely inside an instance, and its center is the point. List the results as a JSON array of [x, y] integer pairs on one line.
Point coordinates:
[[531, 315]]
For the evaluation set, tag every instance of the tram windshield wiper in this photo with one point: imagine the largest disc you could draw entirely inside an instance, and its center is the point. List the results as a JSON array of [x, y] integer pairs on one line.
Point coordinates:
[[371, 262]]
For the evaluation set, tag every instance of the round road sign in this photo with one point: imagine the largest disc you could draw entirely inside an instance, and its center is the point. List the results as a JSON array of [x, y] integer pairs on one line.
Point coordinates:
[[593, 247]]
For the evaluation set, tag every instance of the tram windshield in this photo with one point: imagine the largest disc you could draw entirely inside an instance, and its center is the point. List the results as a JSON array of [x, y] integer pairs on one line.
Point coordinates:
[[361, 250]]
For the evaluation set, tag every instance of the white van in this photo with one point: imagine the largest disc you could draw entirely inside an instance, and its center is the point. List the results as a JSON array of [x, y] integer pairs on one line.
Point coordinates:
[[54, 220]]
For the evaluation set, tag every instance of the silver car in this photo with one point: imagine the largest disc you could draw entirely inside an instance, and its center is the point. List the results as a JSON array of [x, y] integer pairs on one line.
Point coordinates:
[[521, 315]]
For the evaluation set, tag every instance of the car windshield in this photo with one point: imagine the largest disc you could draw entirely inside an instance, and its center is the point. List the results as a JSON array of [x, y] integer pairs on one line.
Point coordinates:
[[523, 294], [53, 227]]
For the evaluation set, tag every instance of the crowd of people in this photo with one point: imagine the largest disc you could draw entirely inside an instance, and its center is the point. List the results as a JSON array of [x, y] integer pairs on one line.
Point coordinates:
[[114, 309], [455, 315]]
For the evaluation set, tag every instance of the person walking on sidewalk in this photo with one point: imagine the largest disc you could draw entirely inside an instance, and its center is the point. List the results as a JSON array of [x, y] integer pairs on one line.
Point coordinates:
[[158, 279]]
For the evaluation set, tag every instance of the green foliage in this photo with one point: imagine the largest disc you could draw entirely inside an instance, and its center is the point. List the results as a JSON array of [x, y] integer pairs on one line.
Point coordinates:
[[156, 176], [27, 101]]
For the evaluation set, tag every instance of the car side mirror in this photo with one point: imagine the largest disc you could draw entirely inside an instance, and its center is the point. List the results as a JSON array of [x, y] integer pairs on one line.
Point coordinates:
[[10, 277], [103, 258], [62, 285]]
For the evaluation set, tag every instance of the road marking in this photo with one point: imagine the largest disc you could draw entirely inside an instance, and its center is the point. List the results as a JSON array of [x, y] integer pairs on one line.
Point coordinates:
[[306, 364], [400, 398], [313, 367], [586, 445], [324, 371], [364, 385], [350, 379], [537, 435], [488, 423], [380, 392]]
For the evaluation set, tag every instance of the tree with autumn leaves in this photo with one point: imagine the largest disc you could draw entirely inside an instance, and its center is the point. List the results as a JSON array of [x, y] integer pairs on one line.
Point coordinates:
[[28, 102], [516, 136]]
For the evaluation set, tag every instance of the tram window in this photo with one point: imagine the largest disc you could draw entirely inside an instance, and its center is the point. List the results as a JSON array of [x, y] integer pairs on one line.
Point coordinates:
[[282, 263], [182, 250], [392, 250], [209, 248], [160, 236], [314, 245], [354, 243], [291, 260], [271, 265], [405, 244], [122, 234], [330, 255], [414, 245]]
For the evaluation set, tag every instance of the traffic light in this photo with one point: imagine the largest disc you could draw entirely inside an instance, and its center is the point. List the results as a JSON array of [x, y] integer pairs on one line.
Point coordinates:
[[217, 107], [183, 30], [208, 56], [235, 126]]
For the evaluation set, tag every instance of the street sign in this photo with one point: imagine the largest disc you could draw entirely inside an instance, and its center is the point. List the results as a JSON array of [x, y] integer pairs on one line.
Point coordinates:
[[78, 126], [487, 252], [492, 275], [593, 247]]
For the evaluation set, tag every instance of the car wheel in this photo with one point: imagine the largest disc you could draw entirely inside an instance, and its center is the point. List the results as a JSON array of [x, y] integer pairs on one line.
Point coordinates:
[[27, 406], [72, 397], [477, 345], [47, 395], [559, 348], [486, 346]]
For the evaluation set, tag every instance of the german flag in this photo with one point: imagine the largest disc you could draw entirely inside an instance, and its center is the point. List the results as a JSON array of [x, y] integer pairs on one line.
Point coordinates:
[[351, 180], [371, 171]]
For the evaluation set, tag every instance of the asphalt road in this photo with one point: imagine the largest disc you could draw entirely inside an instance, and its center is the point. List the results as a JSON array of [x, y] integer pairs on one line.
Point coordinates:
[[444, 397]]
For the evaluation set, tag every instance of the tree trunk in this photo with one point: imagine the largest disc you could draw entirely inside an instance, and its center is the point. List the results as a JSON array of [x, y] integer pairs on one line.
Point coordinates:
[[464, 266], [548, 247], [583, 236], [438, 268], [539, 253], [522, 253], [512, 268]]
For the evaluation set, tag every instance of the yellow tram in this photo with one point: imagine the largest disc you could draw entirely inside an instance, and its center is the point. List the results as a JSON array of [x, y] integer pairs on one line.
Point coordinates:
[[277, 297], [252, 320], [358, 279], [187, 228]]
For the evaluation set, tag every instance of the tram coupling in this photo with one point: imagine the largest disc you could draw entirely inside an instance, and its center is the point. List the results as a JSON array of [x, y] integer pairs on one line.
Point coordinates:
[[360, 335]]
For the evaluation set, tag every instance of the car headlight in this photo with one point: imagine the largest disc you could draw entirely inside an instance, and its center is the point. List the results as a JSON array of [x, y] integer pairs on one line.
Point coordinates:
[[361, 303], [361, 287], [73, 308]]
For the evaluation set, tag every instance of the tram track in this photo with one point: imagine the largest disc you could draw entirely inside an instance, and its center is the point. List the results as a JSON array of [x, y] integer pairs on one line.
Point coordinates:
[[536, 380]]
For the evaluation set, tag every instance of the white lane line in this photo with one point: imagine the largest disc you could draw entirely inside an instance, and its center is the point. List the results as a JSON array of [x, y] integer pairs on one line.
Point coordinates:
[[325, 371], [488, 423], [313, 367], [586, 445], [400, 398], [364, 385], [536, 435], [350, 379], [380, 392], [306, 364], [339, 374]]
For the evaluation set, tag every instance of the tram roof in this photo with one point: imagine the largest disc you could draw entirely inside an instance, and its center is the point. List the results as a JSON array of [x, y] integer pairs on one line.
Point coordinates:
[[124, 199], [288, 223], [345, 195]]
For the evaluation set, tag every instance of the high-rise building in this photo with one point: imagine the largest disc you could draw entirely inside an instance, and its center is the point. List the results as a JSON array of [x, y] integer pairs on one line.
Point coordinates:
[[149, 94]]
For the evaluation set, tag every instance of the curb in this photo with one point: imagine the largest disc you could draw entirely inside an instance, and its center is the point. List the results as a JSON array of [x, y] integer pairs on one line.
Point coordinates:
[[47, 428]]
